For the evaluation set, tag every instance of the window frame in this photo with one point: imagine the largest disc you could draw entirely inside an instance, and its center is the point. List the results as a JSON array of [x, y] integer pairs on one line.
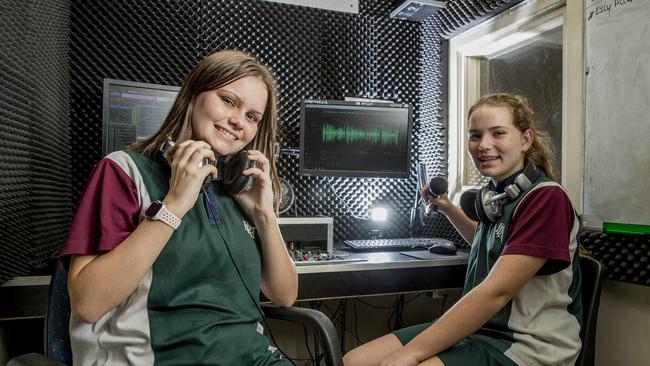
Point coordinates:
[[524, 21]]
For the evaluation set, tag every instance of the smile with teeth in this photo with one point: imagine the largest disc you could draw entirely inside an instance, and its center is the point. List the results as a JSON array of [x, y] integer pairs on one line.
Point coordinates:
[[488, 158], [226, 133]]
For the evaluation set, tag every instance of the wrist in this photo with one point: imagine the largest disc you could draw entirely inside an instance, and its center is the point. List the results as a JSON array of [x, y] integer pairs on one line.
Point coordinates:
[[158, 211], [174, 207], [410, 350], [265, 218]]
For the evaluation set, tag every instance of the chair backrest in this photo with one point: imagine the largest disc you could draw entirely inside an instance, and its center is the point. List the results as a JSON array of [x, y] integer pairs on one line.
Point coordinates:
[[592, 282], [57, 331]]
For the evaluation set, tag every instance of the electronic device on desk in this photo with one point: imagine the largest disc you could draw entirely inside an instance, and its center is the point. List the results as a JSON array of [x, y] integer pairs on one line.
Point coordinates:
[[310, 240], [399, 244], [308, 233], [307, 257]]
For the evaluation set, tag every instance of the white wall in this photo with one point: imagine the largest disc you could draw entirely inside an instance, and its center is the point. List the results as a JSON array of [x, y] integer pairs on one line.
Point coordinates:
[[623, 333]]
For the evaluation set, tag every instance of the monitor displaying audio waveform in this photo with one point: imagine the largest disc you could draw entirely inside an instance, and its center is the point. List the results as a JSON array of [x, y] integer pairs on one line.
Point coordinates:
[[350, 134], [357, 139], [133, 111]]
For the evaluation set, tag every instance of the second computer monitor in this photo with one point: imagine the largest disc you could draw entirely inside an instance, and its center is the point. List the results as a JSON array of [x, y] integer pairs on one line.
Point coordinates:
[[355, 139], [133, 111]]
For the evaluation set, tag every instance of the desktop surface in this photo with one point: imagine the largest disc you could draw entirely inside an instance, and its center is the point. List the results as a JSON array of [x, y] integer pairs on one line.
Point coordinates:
[[347, 260], [380, 273], [373, 273]]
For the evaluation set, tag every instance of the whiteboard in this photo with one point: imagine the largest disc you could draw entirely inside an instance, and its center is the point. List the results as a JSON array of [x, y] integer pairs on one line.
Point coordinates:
[[616, 185]]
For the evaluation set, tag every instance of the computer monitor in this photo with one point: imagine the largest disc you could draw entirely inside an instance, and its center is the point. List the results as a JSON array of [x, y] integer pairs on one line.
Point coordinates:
[[133, 111], [355, 139]]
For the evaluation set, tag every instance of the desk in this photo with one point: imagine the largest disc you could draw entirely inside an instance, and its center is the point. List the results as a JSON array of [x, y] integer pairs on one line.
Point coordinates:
[[24, 297], [382, 273]]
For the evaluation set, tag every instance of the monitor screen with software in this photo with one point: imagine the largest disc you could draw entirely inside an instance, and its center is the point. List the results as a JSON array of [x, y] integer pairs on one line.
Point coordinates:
[[355, 139], [133, 111]]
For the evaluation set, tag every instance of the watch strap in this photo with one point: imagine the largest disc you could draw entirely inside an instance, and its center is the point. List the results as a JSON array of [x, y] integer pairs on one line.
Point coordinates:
[[169, 218], [163, 214]]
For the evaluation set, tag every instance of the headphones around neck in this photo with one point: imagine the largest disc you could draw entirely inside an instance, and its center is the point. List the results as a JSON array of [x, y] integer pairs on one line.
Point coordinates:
[[489, 204]]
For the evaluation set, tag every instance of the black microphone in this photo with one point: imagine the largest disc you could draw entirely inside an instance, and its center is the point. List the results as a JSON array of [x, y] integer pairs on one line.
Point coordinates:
[[467, 204], [437, 186]]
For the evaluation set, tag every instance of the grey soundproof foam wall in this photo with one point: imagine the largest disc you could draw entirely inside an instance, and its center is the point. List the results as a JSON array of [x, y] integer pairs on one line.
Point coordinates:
[[35, 178], [313, 53]]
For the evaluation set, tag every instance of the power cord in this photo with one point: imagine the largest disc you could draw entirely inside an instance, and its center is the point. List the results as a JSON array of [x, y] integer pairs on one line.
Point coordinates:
[[311, 356], [329, 183]]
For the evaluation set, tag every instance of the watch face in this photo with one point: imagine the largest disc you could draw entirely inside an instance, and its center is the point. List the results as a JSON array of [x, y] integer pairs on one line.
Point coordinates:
[[153, 210]]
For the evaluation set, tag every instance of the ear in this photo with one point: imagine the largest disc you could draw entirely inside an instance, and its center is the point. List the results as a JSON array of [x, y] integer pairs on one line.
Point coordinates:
[[527, 139]]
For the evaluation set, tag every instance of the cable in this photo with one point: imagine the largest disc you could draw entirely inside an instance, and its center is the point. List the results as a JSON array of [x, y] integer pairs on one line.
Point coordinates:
[[343, 325], [375, 306], [248, 291], [316, 304], [399, 312], [311, 356], [329, 183], [414, 297], [356, 322], [443, 303]]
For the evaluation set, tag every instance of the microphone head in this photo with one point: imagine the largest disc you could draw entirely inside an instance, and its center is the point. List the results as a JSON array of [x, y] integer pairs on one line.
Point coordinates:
[[467, 204], [437, 186]]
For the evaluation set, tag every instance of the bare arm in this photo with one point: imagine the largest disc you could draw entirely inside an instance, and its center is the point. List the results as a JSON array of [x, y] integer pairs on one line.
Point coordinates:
[[463, 224], [507, 277], [98, 283], [279, 280]]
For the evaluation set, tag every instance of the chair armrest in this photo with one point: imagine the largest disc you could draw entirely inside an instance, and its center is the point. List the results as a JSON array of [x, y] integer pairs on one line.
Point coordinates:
[[318, 321], [33, 359]]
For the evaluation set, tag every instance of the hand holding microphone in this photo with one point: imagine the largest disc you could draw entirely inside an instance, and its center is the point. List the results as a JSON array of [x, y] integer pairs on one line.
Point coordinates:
[[437, 187]]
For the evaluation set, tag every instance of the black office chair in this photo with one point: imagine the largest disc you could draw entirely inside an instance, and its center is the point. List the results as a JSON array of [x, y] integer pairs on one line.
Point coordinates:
[[57, 337], [592, 283]]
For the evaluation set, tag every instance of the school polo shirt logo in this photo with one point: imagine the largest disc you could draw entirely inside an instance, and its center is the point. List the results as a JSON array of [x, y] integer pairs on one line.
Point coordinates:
[[499, 231], [249, 228]]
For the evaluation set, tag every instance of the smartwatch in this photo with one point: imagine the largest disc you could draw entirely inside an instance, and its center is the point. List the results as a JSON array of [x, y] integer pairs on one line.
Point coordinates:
[[158, 211]]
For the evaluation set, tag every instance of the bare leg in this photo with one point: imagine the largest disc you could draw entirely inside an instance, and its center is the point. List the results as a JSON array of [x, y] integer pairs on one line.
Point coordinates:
[[373, 352]]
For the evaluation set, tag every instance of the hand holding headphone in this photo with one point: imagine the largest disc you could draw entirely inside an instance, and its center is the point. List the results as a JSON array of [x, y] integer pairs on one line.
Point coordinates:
[[256, 198], [188, 172], [234, 181]]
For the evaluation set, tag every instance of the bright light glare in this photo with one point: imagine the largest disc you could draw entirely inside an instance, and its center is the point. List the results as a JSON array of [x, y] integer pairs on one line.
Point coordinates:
[[379, 214]]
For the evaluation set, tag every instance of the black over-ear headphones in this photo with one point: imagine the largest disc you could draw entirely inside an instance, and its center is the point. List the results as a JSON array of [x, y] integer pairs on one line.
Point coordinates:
[[489, 205], [233, 179]]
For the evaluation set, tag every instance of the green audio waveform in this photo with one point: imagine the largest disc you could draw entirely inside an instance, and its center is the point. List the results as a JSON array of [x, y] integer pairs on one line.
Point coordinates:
[[348, 134]]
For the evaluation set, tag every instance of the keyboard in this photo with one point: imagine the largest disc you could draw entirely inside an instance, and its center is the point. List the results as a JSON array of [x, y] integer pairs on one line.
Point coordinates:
[[394, 244]]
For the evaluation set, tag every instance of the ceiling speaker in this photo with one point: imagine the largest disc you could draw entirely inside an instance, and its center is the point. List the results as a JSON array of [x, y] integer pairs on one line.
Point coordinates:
[[417, 10], [287, 195]]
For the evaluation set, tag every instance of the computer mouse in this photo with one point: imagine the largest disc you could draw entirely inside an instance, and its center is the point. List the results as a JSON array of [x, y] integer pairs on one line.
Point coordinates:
[[443, 248]]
